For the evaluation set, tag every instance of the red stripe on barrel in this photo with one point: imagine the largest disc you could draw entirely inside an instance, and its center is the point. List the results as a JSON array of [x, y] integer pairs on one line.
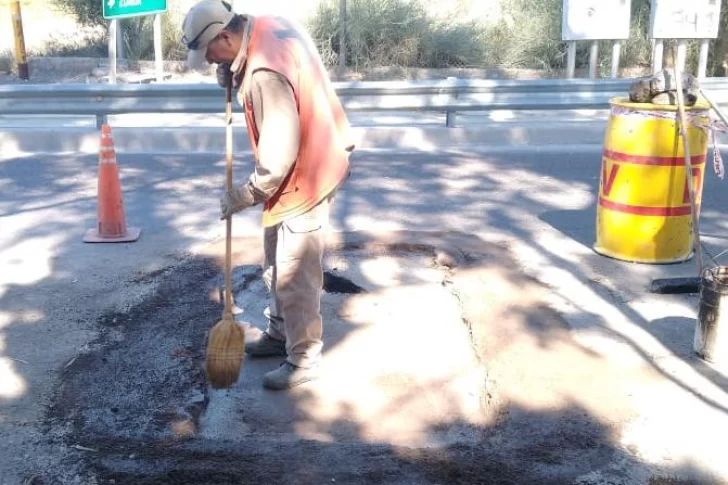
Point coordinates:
[[649, 160], [645, 211]]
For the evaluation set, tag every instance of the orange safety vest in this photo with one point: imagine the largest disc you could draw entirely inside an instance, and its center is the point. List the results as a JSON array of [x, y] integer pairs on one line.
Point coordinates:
[[322, 162]]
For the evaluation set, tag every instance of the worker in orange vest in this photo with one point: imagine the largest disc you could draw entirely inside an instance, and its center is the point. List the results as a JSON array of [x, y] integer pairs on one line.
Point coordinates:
[[300, 137]]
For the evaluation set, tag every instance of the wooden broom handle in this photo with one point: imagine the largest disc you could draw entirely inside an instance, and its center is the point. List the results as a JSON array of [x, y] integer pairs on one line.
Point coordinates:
[[229, 171]]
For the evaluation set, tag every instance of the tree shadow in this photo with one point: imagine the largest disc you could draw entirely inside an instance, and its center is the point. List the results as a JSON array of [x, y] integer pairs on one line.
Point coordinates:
[[151, 308], [127, 421], [281, 438], [296, 439], [54, 289], [675, 333]]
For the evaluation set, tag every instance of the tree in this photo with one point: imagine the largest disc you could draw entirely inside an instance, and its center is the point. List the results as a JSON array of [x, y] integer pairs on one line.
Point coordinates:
[[87, 12], [719, 57]]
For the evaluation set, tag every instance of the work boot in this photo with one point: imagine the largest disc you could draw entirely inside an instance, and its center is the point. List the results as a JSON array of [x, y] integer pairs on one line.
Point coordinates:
[[266, 346], [288, 376]]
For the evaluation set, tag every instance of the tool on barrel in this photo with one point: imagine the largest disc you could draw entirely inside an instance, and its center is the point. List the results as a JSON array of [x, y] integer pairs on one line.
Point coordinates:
[[685, 284]]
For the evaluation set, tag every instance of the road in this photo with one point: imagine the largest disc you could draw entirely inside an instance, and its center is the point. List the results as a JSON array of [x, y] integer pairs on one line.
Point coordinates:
[[58, 295]]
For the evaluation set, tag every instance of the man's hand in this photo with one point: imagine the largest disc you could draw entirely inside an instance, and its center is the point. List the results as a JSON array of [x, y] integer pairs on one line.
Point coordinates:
[[224, 76], [236, 200]]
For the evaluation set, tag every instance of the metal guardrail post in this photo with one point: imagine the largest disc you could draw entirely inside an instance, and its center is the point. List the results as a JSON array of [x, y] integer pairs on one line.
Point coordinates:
[[451, 116], [101, 120]]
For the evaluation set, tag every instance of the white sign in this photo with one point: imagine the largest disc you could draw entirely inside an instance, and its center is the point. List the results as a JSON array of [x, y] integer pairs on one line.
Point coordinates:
[[685, 19], [596, 19]]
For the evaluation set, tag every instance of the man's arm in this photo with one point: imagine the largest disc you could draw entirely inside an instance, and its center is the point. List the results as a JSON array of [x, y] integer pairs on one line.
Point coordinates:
[[279, 132]]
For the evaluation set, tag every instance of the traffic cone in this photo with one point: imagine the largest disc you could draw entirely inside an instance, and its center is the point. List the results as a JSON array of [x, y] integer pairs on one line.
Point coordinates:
[[111, 225]]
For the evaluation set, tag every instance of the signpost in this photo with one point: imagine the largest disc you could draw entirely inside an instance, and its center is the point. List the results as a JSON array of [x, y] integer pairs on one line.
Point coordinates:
[[682, 20], [116, 9], [595, 20]]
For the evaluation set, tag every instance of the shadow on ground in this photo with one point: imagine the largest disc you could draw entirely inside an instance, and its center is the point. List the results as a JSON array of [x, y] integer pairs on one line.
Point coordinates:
[[124, 404], [547, 424]]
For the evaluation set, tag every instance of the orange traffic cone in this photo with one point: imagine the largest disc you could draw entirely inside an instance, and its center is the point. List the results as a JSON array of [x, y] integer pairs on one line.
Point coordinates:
[[111, 220]]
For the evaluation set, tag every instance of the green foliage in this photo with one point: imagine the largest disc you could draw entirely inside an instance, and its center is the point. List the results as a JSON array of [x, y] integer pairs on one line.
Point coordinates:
[[529, 35], [87, 12], [719, 47], [137, 32], [638, 48], [395, 33], [138, 35], [402, 33], [6, 61]]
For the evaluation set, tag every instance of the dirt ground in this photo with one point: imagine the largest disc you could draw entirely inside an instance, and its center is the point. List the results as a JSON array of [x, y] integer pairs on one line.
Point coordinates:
[[403, 311]]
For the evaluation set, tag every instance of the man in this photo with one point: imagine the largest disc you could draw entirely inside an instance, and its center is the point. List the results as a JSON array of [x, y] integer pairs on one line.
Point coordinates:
[[299, 133]]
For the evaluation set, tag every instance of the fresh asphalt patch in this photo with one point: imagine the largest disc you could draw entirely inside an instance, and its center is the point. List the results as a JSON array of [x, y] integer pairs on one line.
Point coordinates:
[[440, 366]]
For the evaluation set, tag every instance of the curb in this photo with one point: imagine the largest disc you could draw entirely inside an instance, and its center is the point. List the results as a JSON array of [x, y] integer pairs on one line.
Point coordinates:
[[85, 140]]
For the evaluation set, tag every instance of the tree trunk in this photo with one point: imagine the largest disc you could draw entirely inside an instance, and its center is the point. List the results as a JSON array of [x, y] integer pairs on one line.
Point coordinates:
[[719, 64]]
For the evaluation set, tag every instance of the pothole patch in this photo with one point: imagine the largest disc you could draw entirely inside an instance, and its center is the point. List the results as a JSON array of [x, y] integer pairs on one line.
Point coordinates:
[[425, 379], [399, 366]]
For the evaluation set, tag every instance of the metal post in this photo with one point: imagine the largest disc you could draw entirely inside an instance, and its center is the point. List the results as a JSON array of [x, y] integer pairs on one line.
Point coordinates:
[[112, 51], [682, 54], [120, 47], [451, 116], [158, 54], [703, 60], [616, 54], [342, 36], [21, 59], [571, 60], [657, 55], [101, 120], [593, 59]]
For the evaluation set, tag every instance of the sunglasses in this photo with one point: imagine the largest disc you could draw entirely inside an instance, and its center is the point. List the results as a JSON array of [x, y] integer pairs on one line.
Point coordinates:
[[194, 44]]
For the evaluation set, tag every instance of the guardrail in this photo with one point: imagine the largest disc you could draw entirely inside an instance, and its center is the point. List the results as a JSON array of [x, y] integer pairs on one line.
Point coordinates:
[[448, 96]]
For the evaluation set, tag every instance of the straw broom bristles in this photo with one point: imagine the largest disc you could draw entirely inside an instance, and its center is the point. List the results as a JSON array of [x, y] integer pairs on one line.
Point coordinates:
[[225, 352]]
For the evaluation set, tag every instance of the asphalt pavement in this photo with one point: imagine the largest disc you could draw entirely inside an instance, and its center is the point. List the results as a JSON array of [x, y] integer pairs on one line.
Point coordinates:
[[536, 202]]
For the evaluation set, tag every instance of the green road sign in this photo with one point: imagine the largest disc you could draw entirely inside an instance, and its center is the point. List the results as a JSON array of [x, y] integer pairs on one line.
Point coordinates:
[[115, 9]]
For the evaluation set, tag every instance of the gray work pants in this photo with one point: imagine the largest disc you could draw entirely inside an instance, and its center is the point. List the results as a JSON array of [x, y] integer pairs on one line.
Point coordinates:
[[294, 276]]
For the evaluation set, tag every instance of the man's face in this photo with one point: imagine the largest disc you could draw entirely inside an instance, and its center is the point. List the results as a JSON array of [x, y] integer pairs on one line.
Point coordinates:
[[223, 48]]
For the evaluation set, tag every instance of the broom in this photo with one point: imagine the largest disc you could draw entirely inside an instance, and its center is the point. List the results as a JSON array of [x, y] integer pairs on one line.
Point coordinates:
[[685, 284], [226, 343]]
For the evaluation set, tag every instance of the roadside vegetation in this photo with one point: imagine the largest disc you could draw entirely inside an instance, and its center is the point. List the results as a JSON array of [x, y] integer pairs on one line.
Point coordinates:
[[404, 33]]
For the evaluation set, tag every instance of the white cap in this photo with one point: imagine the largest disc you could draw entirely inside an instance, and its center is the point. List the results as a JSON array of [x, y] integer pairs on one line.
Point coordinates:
[[203, 23]]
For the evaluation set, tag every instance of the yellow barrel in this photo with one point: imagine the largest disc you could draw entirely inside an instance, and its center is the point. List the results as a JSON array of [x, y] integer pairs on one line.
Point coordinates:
[[643, 208]]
